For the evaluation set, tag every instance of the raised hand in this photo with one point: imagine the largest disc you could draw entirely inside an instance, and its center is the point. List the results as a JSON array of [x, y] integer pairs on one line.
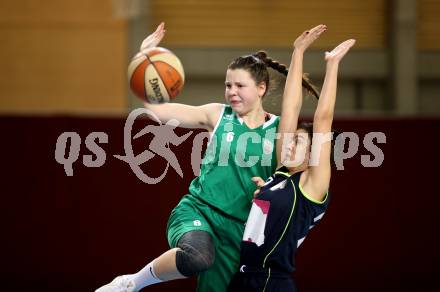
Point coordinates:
[[154, 39], [308, 37], [339, 52]]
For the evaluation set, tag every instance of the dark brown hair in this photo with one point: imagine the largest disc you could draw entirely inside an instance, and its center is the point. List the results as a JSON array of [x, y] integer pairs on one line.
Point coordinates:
[[257, 64]]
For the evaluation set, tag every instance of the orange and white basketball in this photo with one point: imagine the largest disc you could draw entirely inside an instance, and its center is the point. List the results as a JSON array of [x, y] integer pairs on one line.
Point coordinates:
[[156, 75]]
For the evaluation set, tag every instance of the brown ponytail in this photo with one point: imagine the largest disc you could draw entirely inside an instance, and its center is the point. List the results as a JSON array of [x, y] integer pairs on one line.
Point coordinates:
[[311, 89]]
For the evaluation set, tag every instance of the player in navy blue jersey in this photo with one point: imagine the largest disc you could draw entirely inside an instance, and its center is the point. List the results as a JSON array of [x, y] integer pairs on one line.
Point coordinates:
[[294, 199]]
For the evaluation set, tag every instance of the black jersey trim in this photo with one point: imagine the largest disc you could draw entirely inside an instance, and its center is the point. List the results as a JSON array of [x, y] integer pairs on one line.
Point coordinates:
[[283, 169]]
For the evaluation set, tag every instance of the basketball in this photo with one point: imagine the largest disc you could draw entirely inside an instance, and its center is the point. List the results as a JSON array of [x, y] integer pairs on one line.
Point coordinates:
[[156, 75]]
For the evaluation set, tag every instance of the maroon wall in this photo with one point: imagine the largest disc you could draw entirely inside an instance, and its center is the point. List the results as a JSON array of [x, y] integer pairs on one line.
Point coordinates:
[[75, 233]]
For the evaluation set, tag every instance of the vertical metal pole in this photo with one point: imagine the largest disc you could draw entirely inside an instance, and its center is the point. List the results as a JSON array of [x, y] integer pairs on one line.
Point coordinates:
[[404, 56]]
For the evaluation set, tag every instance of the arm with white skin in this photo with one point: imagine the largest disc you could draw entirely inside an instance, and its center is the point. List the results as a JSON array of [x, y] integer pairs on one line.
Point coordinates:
[[315, 180], [292, 97]]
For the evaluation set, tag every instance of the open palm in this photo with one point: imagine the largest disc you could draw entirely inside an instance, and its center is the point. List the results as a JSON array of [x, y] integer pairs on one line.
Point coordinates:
[[308, 37], [339, 52]]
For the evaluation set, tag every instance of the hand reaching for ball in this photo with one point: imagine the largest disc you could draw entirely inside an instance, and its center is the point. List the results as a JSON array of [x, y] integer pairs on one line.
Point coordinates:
[[154, 39]]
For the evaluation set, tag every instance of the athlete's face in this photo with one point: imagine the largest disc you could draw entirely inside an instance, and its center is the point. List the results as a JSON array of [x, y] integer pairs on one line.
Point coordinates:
[[297, 150], [241, 91]]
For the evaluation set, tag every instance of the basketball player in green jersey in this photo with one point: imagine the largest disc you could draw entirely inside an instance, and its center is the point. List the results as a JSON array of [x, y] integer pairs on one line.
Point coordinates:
[[205, 228]]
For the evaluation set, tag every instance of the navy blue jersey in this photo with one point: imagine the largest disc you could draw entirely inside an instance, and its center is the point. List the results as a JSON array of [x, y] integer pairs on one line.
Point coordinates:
[[280, 218]]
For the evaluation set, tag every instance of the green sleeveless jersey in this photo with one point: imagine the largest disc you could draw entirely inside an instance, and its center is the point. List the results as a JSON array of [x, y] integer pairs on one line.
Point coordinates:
[[234, 155]]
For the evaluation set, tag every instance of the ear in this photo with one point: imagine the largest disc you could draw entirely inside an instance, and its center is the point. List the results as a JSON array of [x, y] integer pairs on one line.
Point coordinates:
[[261, 88]]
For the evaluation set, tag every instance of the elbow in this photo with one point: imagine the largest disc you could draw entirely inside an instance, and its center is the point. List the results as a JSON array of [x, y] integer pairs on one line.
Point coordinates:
[[154, 113]]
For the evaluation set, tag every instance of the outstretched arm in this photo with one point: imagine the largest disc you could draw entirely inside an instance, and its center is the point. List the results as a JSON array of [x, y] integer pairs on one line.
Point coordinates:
[[201, 117], [317, 179], [292, 97]]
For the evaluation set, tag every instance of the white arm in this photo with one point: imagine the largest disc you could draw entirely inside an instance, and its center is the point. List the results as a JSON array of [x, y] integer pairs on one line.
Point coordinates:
[[292, 97], [204, 116], [317, 179]]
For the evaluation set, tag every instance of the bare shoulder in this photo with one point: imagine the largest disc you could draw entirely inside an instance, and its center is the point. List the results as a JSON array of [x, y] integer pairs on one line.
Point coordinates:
[[213, 112]]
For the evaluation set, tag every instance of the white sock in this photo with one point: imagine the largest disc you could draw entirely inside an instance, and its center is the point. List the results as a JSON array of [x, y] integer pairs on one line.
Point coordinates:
[[145, 277]]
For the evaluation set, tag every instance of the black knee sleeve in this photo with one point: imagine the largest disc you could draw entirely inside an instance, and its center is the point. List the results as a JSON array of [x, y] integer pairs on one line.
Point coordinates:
[[197, 253]]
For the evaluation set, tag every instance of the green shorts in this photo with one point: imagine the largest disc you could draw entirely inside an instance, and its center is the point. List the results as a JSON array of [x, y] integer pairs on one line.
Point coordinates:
[[192, 214]]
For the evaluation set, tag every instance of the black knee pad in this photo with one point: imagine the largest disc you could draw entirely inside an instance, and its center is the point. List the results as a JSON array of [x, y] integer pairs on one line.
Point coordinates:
[[197, 253]]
